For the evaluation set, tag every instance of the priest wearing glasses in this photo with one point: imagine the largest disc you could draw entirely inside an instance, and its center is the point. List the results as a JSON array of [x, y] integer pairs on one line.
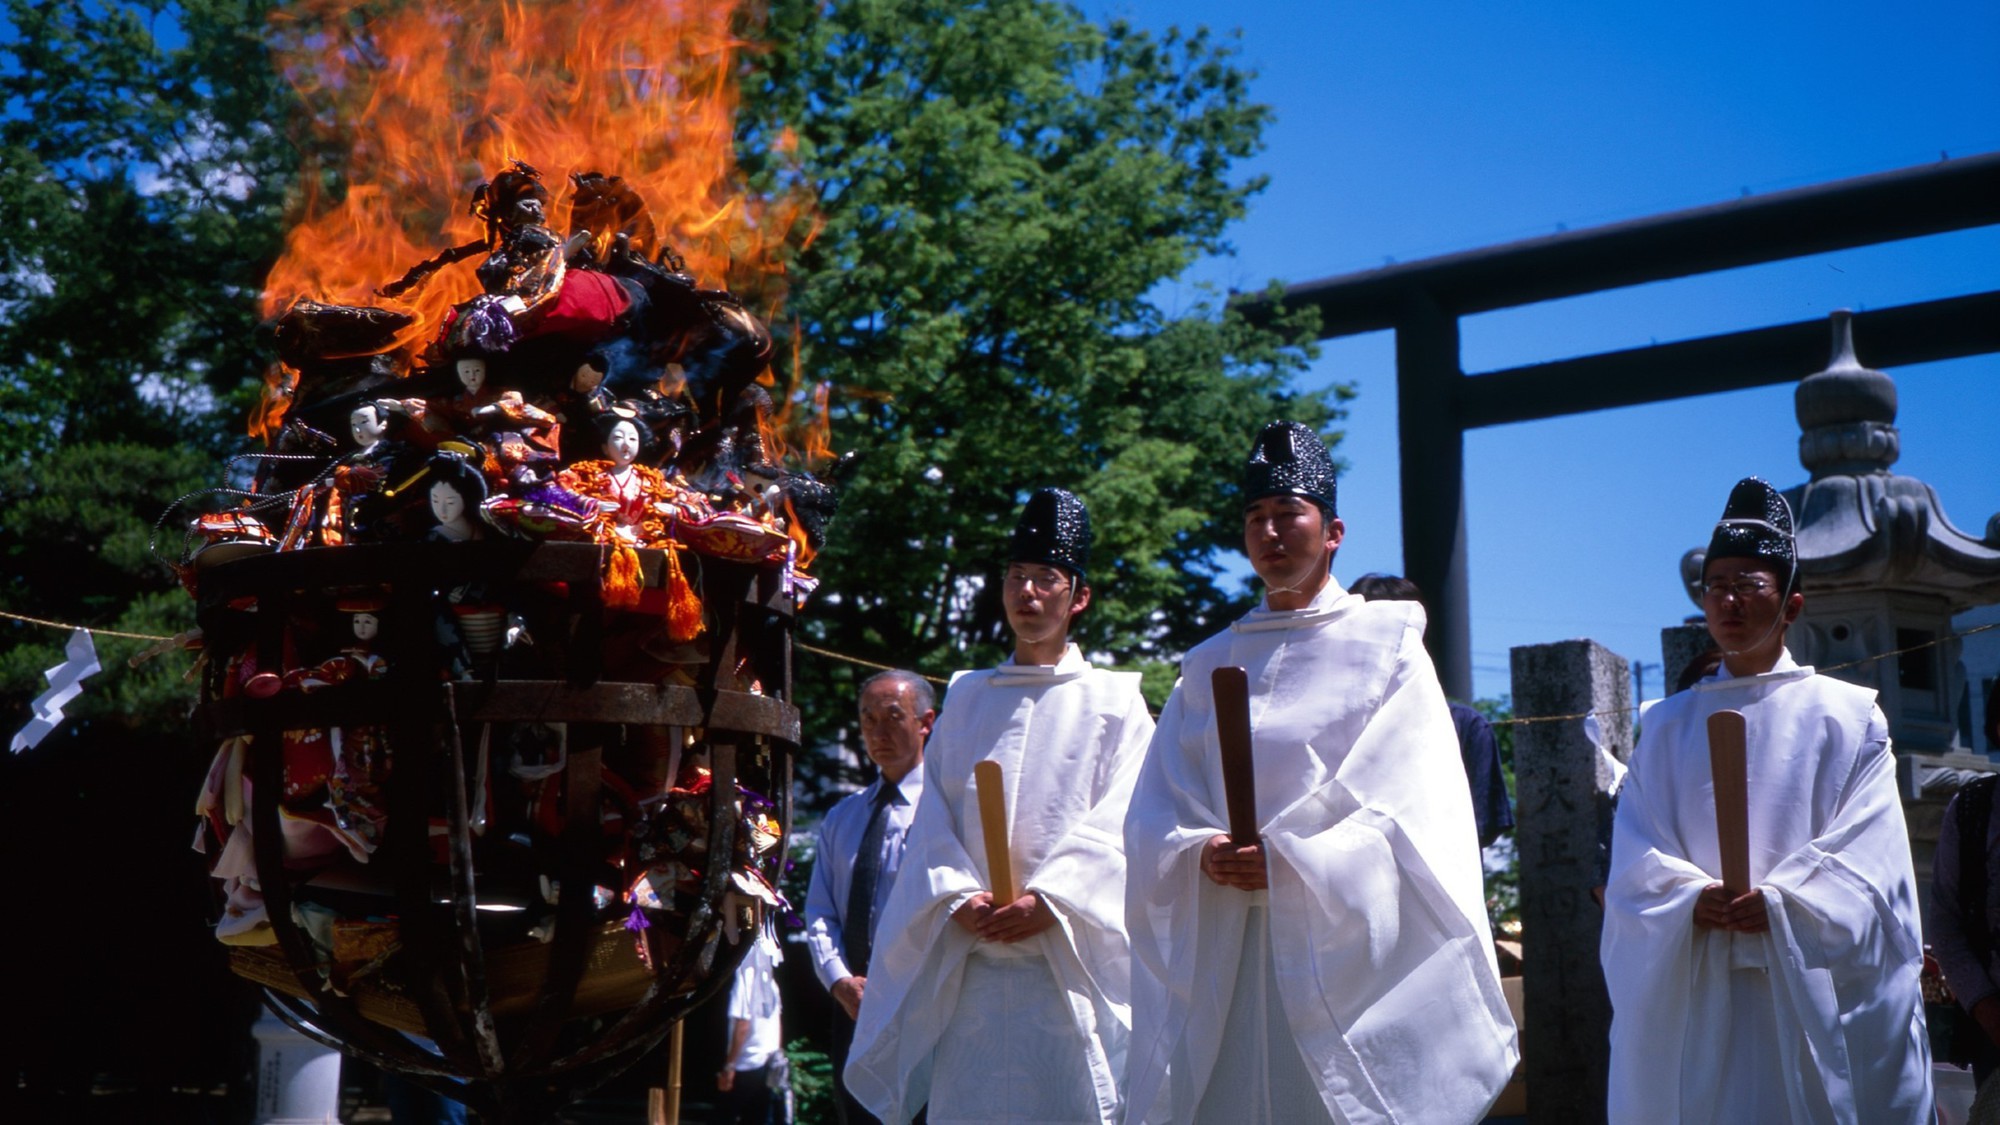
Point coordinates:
[[1013, 1008], [1794, 998], [1340, 968]]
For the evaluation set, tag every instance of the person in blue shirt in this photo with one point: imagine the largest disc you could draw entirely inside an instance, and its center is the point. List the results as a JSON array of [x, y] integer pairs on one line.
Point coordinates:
[[860, 849]]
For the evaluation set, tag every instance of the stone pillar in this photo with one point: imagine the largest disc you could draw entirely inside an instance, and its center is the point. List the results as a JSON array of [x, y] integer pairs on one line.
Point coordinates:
[[1560, 786], [1680, 646]]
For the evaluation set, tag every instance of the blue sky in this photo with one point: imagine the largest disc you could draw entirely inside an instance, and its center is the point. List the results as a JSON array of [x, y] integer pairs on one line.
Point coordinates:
[[1407, 130]]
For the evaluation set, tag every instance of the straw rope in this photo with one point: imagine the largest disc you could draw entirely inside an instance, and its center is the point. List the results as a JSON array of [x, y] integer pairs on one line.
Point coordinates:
[[832, 655], [1613, 711], [86, 628], [67, 627]]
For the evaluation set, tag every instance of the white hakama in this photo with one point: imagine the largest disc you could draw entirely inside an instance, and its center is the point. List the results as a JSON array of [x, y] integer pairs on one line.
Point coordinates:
[[1012, 1031], [1374, 966], [1259, 1074], [1034, 1031], [1821, 1018]]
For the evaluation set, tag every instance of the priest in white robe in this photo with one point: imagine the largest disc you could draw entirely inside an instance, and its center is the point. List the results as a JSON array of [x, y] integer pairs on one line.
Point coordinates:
[[1015, 1011], [1797, 999], [1342, 968]]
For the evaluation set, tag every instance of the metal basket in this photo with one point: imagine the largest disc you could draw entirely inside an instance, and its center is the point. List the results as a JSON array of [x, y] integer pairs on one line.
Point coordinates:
[[520, 1027]]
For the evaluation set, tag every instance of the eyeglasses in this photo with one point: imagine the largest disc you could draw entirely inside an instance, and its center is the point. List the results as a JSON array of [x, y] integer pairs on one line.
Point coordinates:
[[1742, 589], [1048, 581]]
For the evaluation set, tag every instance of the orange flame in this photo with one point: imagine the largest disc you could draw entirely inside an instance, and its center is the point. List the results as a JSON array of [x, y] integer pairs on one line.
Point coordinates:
[[802, 552], [801, 427], [413, 104], [270, 410]]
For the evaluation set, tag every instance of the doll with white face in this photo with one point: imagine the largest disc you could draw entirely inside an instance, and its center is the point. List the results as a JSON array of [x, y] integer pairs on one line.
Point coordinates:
[[622, 443], [359, 476], [334, 778], [638, 507], [471, 371], [356, 786], [368, 425], [357, 789], [626, 491], [625, 505], [456, 492], [443, 416]]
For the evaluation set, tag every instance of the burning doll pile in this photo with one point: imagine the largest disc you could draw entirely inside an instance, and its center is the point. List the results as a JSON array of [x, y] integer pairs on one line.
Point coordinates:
[[502, 624]]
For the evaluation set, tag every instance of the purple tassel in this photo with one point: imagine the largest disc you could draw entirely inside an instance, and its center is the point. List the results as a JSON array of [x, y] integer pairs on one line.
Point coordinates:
[[483, 327], [636, 921]]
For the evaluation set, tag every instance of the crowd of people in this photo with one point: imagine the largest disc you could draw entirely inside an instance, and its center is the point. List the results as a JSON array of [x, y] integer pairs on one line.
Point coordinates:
[[1137, 954]]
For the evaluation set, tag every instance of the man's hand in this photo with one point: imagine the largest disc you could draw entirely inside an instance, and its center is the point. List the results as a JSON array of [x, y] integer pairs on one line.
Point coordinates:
[[974, 913], [1987, 1012], [1023, 918], [1225, 863], [1716, 909], [847, 993], [725, 1079]]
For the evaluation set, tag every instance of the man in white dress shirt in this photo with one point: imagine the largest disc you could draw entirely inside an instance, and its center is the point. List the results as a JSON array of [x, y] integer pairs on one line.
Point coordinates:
[[752, 1079], [1797, 999], [1341, 968], [1015, 1011], [860, 851]]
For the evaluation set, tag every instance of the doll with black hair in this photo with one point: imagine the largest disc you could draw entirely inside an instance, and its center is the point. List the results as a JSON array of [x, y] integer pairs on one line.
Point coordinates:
[[457, 491], [636, 499], [357, 510], [638, 504]]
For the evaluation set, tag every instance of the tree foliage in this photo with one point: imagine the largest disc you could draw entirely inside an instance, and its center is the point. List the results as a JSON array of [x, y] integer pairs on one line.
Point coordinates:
[[1005, 193], [145, 187], [143, 184]]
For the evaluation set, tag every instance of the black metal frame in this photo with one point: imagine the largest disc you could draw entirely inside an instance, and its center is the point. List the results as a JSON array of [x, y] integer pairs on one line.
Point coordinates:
[[515, 1074]]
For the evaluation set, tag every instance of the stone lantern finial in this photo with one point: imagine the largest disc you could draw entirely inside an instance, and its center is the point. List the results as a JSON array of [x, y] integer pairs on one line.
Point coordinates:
[[1847, 413]]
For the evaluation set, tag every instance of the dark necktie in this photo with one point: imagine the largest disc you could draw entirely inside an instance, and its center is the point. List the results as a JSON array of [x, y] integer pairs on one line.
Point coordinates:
[[856, 928]]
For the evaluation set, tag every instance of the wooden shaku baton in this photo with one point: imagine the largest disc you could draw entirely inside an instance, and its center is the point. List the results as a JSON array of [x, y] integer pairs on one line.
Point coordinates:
[[993, 822], [1728, 750], [1231, 687]]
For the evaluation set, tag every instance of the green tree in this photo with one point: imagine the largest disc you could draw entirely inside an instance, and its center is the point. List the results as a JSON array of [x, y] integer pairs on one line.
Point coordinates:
[[144, 187], [1005, 193]]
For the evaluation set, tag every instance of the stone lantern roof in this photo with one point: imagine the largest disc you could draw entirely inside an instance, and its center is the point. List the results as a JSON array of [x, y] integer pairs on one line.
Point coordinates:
[[1861, 526], [1884, 573]]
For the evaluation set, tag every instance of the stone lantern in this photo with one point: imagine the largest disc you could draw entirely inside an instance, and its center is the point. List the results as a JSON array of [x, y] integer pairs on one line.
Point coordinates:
[[1883, 569]]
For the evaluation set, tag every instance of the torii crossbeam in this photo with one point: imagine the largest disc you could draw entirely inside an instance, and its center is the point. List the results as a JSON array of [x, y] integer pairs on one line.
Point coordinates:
[[1437, 401]]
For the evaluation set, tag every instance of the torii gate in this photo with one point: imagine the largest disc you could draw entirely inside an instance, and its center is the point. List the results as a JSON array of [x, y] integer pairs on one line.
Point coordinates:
[[1437, 402]]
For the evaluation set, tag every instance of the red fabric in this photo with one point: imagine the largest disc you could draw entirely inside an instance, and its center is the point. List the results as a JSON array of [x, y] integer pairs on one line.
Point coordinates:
[[583, 308], [308, 763]]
